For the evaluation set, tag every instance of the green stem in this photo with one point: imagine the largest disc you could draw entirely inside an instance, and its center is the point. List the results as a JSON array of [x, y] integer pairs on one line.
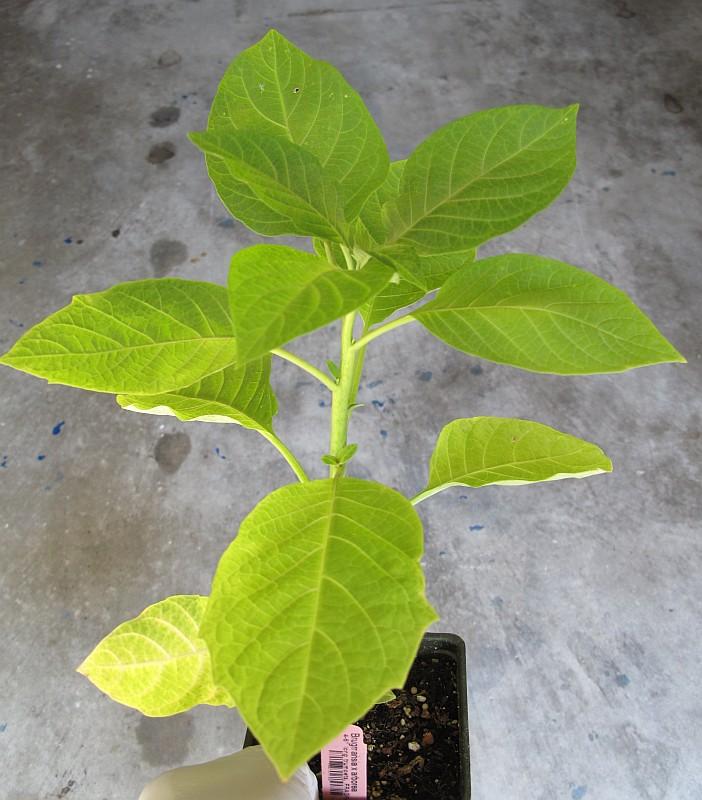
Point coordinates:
[[380, 330], [300, 362], [425, 494], [287, 454], [344, 393]]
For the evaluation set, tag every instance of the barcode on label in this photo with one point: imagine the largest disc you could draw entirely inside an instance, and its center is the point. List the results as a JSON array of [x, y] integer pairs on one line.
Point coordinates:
[[344, 766], [335, 772]]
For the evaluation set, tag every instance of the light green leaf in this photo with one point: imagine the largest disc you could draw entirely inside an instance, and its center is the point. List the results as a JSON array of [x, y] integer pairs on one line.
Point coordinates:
[[370, 229], [387, 697], [141, 337], [242, 395], [157, 662], [317, 607], [278, 293], [390, 299], [277, 89], [545, 316], [272, 185], [481, 176], [486, 450]]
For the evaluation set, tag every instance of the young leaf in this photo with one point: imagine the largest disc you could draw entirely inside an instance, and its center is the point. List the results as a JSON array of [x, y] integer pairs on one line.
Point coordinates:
[[316, 608], [277, 89], [272, 185], [329, 459], [278, 293], [386, 697], [333, 368], [390, 299], [141, 337], [347, 453], [486, 450], [241, 395], [157, 662], [545, 316], [481, 176]]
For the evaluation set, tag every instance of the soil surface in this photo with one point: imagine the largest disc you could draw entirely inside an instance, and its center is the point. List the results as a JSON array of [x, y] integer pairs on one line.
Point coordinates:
[[413, 741]]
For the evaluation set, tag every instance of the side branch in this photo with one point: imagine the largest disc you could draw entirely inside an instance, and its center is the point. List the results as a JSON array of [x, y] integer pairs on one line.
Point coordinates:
[[309, 368]]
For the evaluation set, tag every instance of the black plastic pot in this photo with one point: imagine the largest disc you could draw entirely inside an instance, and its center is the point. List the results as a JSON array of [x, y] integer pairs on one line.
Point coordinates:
[[451, 646]]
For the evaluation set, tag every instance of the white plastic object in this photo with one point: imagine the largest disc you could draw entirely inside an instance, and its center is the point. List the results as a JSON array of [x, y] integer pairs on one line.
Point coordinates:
[[246, 775]]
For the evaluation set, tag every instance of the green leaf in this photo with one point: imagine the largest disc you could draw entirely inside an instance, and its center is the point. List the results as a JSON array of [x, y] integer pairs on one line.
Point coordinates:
[[273, 186], [277, 89], [370, 229], [333, 368], [157, 662], [390, 299], [317, 607], [347, 453], [494, 450], [141, 337], [327, 458], [481, 176], [242, 395], [545, 316], [386, 697], [278, 293]]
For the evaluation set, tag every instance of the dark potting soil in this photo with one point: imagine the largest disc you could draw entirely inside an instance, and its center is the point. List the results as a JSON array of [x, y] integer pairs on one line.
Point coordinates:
[[413, 741]]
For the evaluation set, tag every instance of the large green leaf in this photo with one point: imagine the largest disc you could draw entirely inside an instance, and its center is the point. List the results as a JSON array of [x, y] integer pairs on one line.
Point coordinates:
[[481, 176], [272, 185], [277, 89], [141, 337], [278, 293], [242, 395], [545, 316], [316, 609], [485, 450], [157, 662]]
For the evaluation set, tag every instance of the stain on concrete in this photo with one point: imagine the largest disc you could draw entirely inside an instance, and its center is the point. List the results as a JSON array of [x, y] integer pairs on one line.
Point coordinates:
[[165, 254], [165, 741], [579, 792], [169, 58], [672, 104], [160, 152], [171, 451], [164, 116], [622, 680]]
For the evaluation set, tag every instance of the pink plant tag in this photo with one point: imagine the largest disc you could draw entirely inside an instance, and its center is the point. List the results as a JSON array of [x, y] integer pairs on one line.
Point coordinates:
[[344, 766]]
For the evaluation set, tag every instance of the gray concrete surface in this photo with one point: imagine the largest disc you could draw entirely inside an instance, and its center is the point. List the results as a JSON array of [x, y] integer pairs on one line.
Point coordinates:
[[579, 601]]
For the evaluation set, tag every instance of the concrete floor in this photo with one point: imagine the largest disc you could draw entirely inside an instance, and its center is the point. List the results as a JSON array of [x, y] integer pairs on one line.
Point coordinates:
[[579, 601]]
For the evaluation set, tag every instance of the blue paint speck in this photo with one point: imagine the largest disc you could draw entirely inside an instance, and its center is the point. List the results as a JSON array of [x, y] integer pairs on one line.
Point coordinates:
[[373, 384], [669, 172], [21, 281], [622, 679], [219, 454], [425, 376], [3, 462], [377, 403], [462, 496], [68, 240], [321, 404], [579, 792], [16, 323], [476, 528], [41, 457], [476, 370], [384, 434], [225, 222], [3, 727], [56, 430], [37, 263], [442, 552]]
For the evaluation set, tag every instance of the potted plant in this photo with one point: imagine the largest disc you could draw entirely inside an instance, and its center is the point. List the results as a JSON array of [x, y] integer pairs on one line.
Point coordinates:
[[317, 608]]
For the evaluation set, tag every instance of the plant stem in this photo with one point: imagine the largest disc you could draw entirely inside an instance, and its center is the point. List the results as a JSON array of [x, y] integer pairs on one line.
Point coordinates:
[[300, 362], [380, 330], [287, 454], [344, 393], [425, 494]]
